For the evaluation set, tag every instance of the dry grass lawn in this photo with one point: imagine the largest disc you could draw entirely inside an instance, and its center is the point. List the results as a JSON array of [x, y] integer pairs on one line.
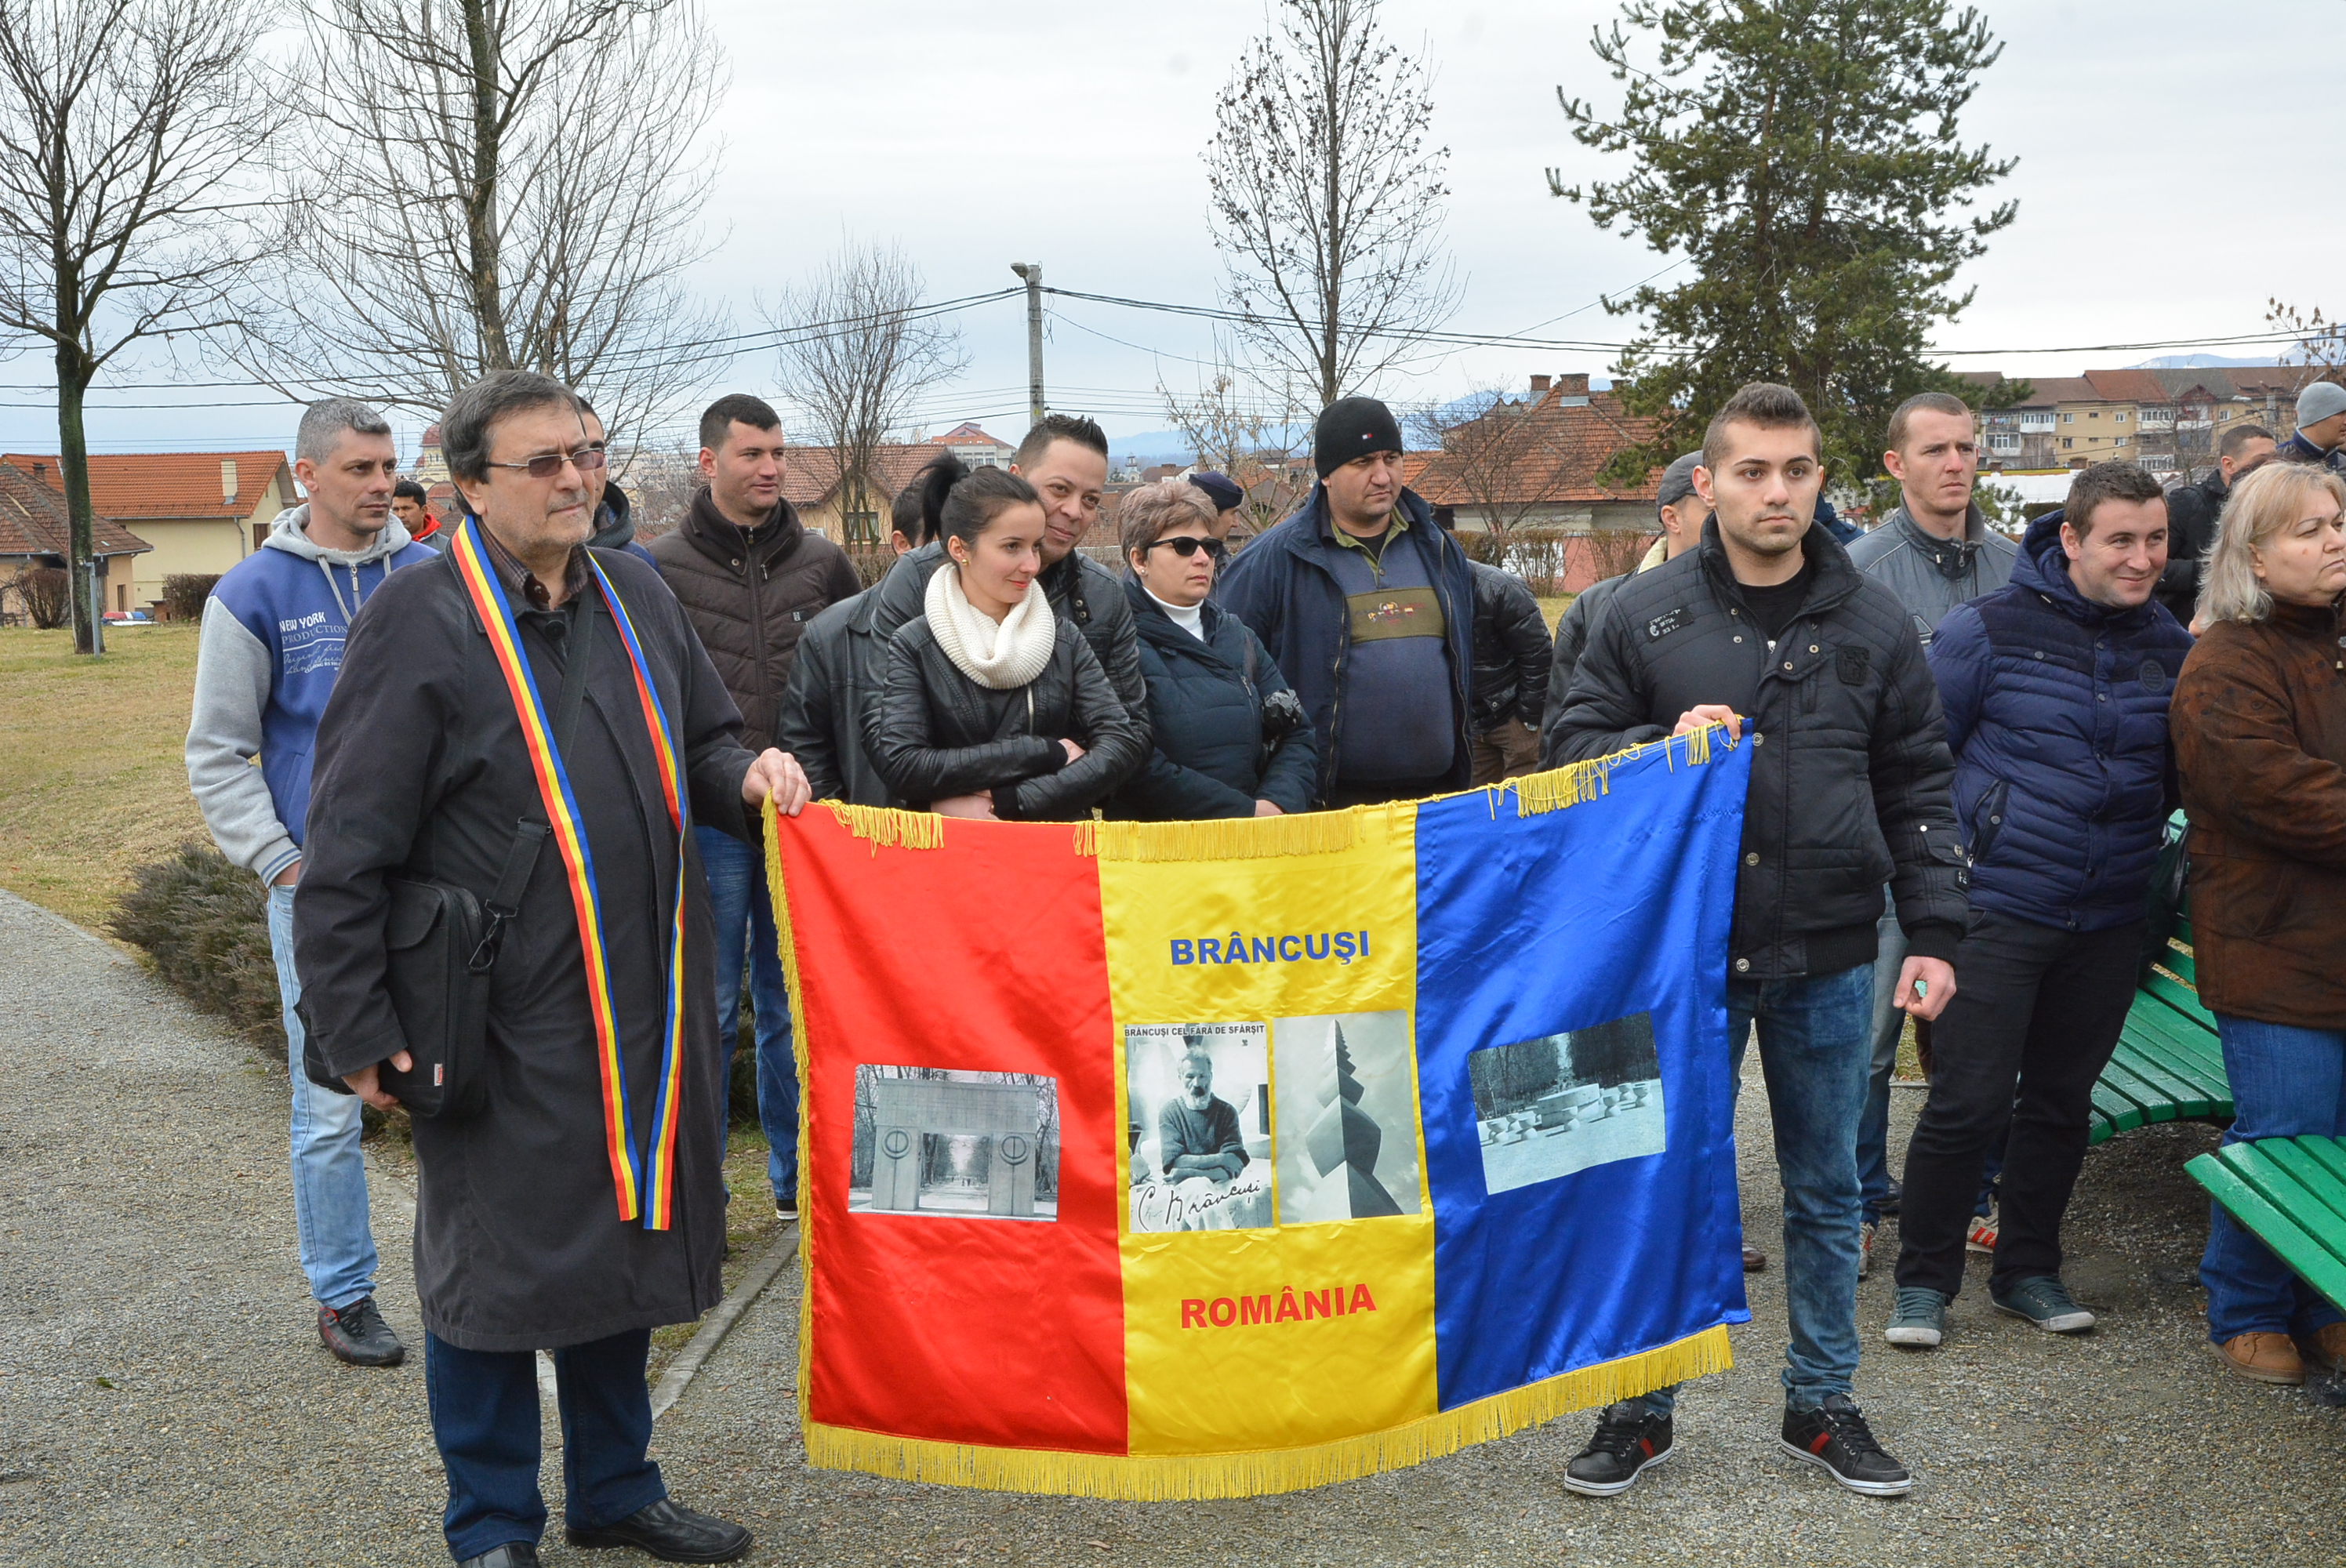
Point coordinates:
[[91, 778]]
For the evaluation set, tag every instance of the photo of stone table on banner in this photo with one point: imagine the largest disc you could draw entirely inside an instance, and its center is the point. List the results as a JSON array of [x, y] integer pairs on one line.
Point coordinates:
[[1204, 1159]]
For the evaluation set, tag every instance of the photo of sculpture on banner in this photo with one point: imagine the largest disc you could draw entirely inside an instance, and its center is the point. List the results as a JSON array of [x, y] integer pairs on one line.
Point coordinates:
[[1562, 1102], [1346, 1116], [1198, 1132], [948, 1143]]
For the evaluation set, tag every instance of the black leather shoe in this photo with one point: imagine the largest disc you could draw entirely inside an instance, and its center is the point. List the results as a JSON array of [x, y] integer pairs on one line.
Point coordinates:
[[512, 1555], [358, 1334], [668, 1533]]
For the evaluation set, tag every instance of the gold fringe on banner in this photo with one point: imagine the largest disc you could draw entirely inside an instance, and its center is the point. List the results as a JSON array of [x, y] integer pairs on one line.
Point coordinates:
[[885, 827], [1152, 1478], [786, 936], [1219, 837], [1538, 793]]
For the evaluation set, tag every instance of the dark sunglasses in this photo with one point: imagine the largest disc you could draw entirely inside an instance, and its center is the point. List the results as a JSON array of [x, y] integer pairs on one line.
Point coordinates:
[[1189, 544], [546, 465]]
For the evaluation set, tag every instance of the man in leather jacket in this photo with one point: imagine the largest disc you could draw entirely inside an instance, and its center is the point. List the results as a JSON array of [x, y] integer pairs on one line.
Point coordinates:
[[1767, 630]]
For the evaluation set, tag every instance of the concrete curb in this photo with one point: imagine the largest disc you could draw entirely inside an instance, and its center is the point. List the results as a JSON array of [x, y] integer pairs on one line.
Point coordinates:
[[689, 1361], [66, 928]]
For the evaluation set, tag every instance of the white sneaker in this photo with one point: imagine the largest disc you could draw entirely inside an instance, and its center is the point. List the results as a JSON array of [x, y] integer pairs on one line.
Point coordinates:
[[1981, 1237], [1866, 1250]]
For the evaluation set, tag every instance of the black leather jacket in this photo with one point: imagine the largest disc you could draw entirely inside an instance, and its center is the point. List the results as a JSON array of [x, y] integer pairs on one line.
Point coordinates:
[[934, 732], [1851, 776], [1083, 594], [1512, 651]]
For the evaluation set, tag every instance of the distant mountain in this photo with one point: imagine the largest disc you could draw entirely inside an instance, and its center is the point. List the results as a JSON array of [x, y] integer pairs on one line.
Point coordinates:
[[2199, 361]]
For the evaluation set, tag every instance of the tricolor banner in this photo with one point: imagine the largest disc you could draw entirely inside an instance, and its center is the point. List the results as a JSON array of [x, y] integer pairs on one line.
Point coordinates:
[[1206, 1159]]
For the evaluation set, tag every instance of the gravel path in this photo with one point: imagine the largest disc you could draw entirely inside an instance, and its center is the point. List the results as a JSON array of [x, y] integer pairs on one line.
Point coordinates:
[[163, 1399]]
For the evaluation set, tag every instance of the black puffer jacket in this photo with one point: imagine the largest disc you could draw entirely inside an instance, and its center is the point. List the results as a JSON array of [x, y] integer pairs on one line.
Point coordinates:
[[2192, 513], [934, 732], [1206, 719], [1851, 776], [749, 594], [1572, 630], [1083, 593], [1512, 651]]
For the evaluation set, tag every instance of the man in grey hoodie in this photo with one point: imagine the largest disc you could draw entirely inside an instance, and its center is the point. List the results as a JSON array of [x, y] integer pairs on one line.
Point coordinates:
[[272, 645]]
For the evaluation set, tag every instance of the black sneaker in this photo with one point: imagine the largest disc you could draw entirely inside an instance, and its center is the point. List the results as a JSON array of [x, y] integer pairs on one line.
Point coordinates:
[[1629, 1437], [786, 1206], [358, 1334], [1834, 1437]]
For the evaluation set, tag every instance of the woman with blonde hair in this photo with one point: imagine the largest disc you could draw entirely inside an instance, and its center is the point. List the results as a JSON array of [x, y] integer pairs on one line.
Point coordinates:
[[2259, 728]]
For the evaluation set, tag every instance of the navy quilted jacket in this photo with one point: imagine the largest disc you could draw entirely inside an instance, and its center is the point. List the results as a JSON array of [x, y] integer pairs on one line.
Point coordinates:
[[2056, 713]]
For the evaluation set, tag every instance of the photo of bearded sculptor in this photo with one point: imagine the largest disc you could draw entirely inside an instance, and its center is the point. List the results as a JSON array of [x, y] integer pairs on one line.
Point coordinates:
[[1198, 1134]]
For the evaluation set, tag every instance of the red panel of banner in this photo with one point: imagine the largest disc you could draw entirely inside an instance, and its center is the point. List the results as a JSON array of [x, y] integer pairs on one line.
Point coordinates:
[[1022, 1343]]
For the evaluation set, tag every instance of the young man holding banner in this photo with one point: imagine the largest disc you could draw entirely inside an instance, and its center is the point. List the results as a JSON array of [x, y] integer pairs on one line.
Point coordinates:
[[1767, 629], [577, 1206]]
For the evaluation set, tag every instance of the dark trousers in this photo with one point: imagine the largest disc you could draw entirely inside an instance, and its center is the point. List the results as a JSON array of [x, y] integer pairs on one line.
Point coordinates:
[[2033, 1004], [485, 1417]]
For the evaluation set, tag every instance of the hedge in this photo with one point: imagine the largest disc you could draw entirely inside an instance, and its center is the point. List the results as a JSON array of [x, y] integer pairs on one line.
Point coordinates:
[[184, 594]]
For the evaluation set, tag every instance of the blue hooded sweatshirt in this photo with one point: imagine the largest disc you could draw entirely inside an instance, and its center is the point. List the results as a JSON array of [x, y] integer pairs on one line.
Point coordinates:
[[272, 645], [2056, 715]]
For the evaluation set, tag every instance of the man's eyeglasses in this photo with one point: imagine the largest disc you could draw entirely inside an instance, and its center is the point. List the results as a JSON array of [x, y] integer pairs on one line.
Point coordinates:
[[1187, 545], [546, 465]]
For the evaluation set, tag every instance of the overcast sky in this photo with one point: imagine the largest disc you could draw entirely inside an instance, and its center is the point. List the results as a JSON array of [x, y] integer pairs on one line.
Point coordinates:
[[2165, 183]]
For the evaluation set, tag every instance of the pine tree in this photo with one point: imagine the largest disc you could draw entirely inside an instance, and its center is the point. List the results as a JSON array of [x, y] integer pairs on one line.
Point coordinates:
[[1804, 155]]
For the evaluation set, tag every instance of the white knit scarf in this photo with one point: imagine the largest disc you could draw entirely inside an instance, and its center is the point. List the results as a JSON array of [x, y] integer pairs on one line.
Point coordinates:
[[1000, 658]]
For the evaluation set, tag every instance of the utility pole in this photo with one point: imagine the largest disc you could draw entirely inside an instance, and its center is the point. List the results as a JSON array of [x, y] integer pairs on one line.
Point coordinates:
[[1033, 272]]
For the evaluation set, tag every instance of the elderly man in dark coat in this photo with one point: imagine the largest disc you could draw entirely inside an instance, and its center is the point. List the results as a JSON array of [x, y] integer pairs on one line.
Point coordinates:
[[422, 771]]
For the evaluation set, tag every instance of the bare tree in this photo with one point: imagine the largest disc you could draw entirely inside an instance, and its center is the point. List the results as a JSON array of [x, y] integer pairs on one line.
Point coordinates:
[[129, 132], [1501, 454], [500, 184], [857, 352], [1328, 197], [1250, 441], [2321, 341]]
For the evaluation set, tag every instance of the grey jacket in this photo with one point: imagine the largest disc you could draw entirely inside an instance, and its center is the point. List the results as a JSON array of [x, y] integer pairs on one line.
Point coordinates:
[[1931, 576], [266, 659]]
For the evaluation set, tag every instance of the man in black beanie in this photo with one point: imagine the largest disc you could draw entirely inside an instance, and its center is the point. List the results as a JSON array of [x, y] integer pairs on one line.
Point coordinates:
[[1368, 609]]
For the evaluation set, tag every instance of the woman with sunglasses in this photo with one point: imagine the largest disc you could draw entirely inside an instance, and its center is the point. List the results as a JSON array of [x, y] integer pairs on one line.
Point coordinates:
[[993, 706], [1228, 736]]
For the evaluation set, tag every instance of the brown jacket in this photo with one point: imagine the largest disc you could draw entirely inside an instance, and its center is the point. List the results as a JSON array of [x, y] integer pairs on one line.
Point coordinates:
[[749, 594], [2259, 726]]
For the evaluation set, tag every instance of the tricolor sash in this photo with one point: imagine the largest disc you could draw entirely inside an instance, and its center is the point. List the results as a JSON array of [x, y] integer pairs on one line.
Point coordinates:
[[643, 1176]]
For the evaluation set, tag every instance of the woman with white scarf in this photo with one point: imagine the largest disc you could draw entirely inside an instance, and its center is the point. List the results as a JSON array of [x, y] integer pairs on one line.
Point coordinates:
[[992, 706]]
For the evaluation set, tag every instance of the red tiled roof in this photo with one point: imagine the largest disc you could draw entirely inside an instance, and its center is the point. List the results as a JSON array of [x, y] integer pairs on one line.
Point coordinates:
[[2127, 386], [966, 435], [1566, 444], [32, 521], [160, 484]]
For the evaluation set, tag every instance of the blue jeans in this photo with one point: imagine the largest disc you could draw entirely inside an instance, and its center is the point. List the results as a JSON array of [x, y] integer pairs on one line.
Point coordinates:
[[1814, 1048], [737, 896], [1888, 1024], [1874, 1127], [484, 1420], [330, 1190], [2287, 1082]]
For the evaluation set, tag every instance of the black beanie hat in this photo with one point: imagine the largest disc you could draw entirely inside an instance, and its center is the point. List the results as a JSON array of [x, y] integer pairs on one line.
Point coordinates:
[[1351, 427]]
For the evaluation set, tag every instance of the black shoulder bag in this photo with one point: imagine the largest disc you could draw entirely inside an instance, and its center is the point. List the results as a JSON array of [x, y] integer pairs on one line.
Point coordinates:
[[441, 944]]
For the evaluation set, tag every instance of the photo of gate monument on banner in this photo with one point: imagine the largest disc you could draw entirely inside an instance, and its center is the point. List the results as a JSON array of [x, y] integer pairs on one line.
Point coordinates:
[[1209, 1160]]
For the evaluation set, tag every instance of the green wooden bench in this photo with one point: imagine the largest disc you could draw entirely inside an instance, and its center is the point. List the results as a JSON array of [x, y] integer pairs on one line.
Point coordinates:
[[2291, 1194], [2168, 1067]]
